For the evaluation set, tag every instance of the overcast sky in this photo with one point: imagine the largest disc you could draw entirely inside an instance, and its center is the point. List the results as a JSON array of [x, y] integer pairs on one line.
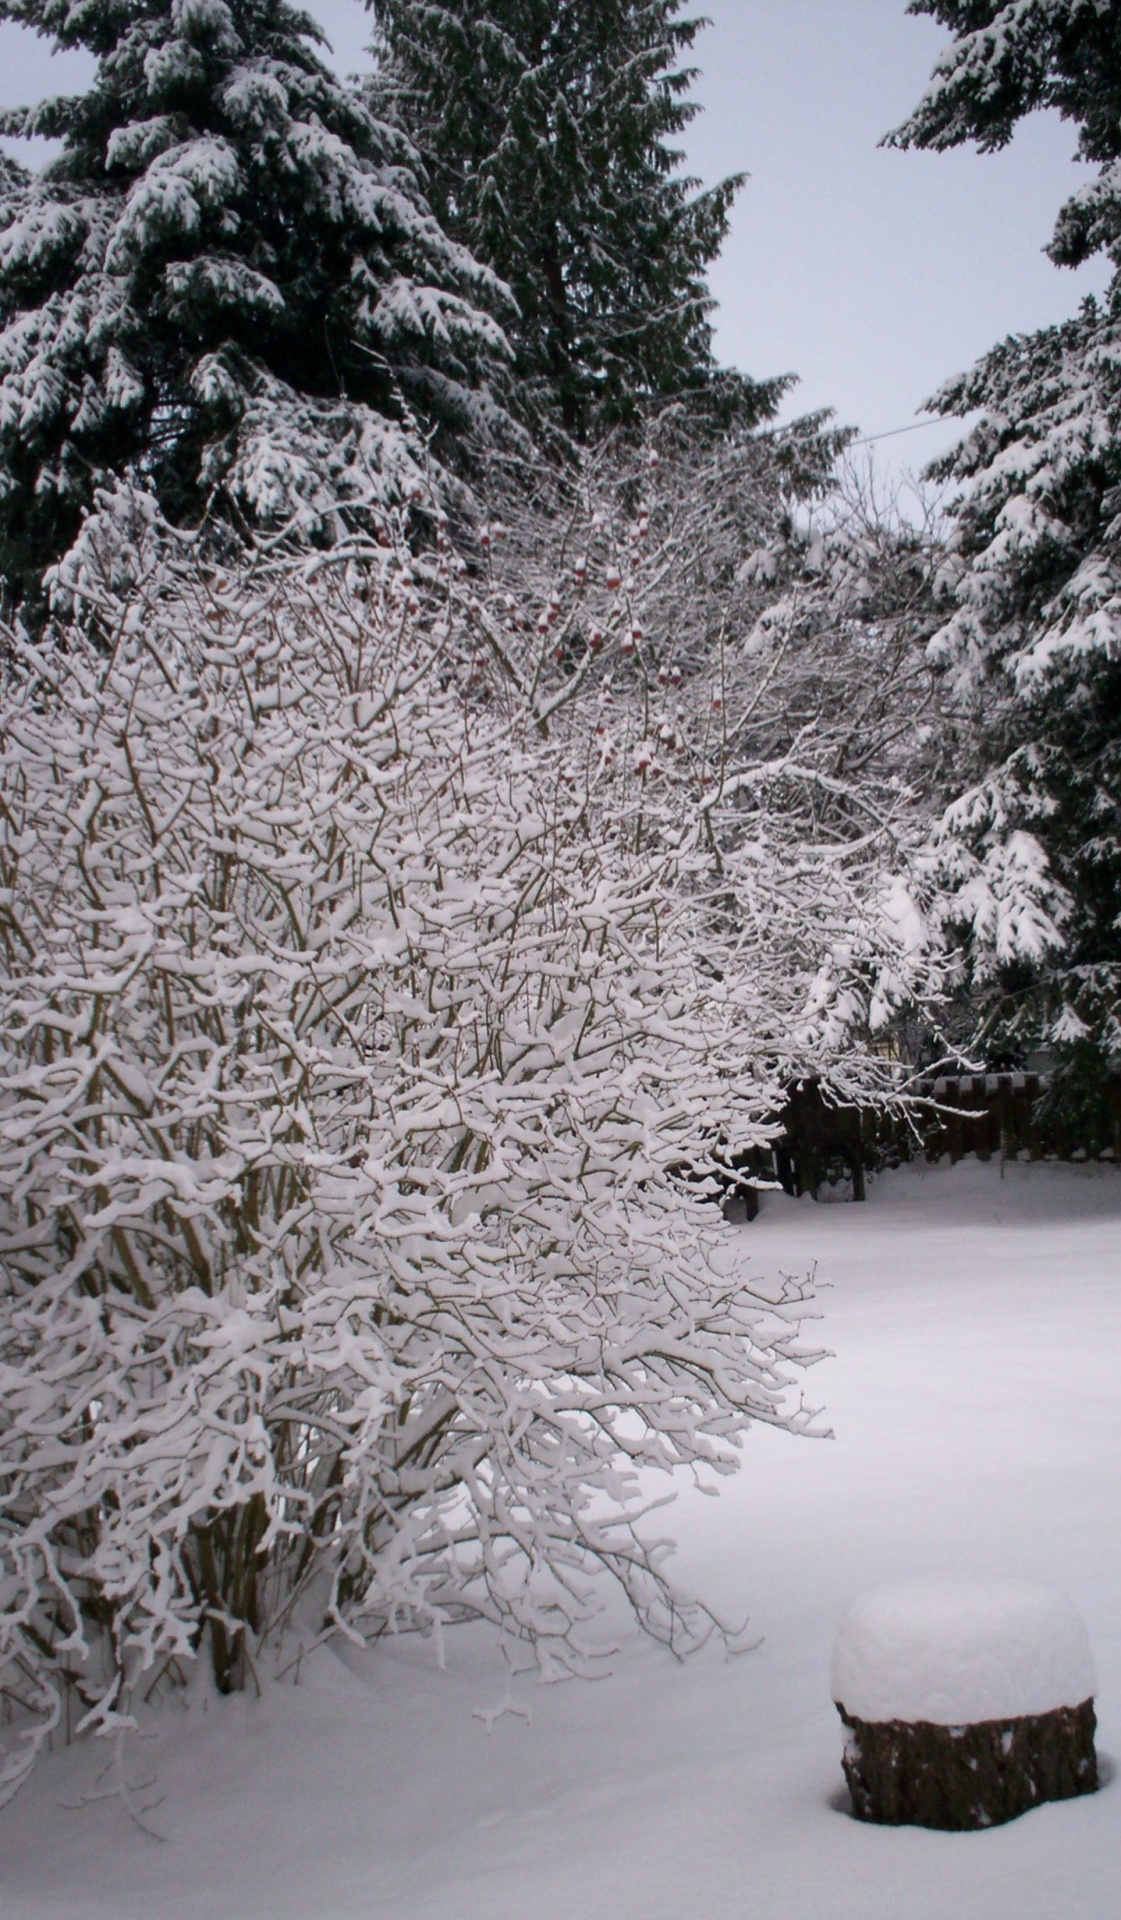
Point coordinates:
[[873, 274]]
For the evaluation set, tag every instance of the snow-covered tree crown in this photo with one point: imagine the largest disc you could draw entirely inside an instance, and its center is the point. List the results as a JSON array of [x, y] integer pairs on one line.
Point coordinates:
[[546, 128], [227, 281]]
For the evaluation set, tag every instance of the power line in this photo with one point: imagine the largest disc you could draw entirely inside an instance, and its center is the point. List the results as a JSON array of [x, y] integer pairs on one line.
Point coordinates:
[[892, 431]]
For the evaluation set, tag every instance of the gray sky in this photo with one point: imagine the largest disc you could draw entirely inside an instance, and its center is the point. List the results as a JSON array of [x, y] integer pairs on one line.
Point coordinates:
[[873, 274]]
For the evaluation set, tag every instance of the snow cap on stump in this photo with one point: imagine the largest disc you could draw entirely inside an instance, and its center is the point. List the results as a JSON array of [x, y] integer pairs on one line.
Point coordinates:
[[955, 1650], [966, 1702]]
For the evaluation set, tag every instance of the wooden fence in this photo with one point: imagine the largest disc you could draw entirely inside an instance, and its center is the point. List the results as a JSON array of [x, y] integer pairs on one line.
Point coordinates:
[[1012, 1114], [1005, 1114]]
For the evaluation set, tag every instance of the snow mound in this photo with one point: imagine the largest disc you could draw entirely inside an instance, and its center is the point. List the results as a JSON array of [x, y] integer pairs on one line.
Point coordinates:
[[954, 1650]]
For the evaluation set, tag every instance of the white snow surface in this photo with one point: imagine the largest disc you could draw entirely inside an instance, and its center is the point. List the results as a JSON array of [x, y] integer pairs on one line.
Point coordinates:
[[976, 1401], [952, 1649]]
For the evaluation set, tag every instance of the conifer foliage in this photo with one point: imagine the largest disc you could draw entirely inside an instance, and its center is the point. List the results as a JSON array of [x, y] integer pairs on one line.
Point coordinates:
[[546, 130], [1010, 57], [1034, 639], [227, 281]]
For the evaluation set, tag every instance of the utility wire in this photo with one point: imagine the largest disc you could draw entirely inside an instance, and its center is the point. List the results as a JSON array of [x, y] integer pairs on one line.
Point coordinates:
[[892, 431]]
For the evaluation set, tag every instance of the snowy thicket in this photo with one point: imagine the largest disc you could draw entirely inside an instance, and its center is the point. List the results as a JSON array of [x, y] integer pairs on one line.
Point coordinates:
[[955, 1649], [837, 714], [1032, 640], [694, 625], [228, 282], [388, 958]]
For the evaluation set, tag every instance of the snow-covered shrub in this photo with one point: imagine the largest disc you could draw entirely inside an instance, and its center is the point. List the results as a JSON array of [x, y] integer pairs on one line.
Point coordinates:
[[351, 1046], [389, 952]]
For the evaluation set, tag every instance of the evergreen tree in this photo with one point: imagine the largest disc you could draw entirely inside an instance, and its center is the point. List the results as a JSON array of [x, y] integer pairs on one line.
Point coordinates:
[[546, 130], [1034, 640], [227, 283]]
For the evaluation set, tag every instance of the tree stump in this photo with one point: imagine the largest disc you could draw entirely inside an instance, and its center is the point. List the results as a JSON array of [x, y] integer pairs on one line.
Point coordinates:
[[967, 1702], [919, 1774]]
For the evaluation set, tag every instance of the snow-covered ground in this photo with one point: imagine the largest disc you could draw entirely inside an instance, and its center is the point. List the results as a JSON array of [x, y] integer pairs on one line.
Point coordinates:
[[976, 1399]]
